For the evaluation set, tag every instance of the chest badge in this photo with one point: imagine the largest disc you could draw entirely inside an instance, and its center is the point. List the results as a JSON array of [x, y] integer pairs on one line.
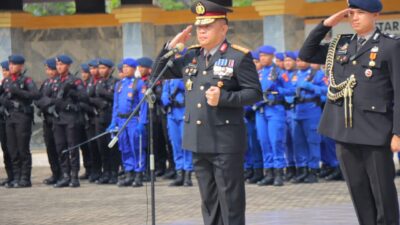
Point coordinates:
[[189, 84], [368, 73], [372, 56]]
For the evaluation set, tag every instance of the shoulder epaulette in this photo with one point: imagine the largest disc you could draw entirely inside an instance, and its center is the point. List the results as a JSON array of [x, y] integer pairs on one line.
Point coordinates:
[[240, 48], [194, 46], [392, 36]]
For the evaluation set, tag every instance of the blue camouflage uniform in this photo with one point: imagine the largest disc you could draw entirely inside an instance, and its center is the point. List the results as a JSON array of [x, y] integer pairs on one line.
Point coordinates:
[[173, 98], [127, 95], [307, 113], [289, 78]]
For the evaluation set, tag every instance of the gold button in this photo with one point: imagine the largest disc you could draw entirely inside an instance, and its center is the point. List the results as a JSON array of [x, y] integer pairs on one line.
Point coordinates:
[[354, 62], [227, 121], [198, 122], [201, 88], [373, 107], [198, 105], [204, 72]]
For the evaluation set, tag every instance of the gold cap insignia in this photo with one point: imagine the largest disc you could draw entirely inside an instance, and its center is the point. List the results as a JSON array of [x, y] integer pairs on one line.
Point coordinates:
[[200, 9]]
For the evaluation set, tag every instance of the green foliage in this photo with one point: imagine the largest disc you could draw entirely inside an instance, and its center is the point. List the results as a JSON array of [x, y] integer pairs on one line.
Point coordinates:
[[240, 3], [172, 4], [112, 4], [45, 9]]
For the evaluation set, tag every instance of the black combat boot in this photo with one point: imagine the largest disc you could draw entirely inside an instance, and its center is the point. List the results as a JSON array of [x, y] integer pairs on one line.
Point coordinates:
[[278, 180], [302, 173], [64, 181], [311, 177], [113, 178], [170, 174], [290, 173], [104, 178], [94, 176], [25, 180], [268, 178], [257, 176], [178, 180], [74, 180], [335, 175], [248, 173], [187, 182], [127, 180], [51, 180], [325, 171], [138, 182]]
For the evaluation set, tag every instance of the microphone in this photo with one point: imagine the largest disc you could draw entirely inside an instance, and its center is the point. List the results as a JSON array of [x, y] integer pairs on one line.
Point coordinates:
[[178, 48]]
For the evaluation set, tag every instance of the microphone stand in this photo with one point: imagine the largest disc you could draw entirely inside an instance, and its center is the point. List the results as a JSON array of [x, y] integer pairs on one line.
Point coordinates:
[[150, 98]]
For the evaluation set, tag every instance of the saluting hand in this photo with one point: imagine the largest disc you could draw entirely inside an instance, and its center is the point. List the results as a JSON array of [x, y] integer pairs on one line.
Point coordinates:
[[337, 18], [395, 145], [212, 95], [182, 37]]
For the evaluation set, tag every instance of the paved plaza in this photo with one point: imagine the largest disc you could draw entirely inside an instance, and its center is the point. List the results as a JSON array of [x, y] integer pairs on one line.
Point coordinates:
[[317, 204]]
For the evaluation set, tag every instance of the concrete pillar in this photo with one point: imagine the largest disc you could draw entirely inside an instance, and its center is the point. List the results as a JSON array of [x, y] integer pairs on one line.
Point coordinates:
[[284, 32], [138, 40]]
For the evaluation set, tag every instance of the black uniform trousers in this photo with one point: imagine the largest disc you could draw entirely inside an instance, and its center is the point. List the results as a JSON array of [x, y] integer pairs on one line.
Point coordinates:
[[51, 150], [65, 136], [369, 173], [110, 158], [90, 152], [222, 190], [19, 131], [6, 155]]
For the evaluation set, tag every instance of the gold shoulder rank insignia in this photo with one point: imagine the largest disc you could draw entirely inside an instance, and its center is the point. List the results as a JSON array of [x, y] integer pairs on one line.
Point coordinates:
[[240, 48], [194, 46]]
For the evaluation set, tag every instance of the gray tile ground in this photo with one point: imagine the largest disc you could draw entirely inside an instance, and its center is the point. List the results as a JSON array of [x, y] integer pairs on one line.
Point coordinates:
[[318, 204]]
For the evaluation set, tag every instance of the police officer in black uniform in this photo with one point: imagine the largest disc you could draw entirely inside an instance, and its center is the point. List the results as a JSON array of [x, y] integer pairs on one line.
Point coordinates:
[[3, 137], [103, 99], [362, 113], [68, 93], [220, 78], [47, 109], [20, 91]]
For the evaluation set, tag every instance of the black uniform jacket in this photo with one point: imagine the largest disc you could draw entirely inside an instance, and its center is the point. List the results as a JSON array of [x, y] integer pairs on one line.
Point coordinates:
[[217, 129], [376, 97]]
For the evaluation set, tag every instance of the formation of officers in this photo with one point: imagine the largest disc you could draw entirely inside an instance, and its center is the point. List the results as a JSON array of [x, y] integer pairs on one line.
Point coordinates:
[[283, 144]]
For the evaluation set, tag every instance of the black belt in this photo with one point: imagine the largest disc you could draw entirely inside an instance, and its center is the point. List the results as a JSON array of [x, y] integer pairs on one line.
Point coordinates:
[[307, 100], [275, 102], [124, 115]]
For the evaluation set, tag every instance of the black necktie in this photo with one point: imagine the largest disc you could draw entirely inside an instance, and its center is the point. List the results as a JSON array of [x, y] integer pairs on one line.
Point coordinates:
[[360, 42], [208, 57]]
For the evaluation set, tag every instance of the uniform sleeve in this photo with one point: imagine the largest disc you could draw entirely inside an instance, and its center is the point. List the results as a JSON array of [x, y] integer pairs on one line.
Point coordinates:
[[144, 107], [173, 72], [319, 85], [115, 104], [249, 86], [165, 96], [394, 67], [312, 51], [31, 92]]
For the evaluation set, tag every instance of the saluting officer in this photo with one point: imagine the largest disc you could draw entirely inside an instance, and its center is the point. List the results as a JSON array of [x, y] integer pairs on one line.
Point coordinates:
[[3, 138], [20, 91], [68, 91], [363, 110], [220, 79], [47, 110]]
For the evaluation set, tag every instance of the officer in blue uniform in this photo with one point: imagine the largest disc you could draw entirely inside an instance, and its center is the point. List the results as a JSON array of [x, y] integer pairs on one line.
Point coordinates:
[[3, 137], [307, 112], [289, 77], [330, 165], [132, 140], [270, 118], [253, 164], [174, 100]]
